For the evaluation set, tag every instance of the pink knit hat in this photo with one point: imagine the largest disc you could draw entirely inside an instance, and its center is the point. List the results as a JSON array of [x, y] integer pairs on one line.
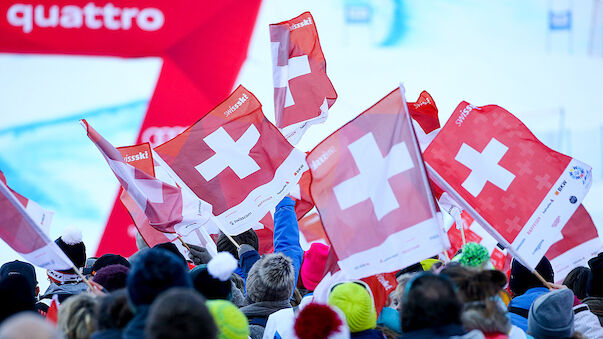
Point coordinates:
[[313, 267]]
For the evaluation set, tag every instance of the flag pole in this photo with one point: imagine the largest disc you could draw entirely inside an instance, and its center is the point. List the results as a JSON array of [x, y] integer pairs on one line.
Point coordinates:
[[183, 243], [435, 176]]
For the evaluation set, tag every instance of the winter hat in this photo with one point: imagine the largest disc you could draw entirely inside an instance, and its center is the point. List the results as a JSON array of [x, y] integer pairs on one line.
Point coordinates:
[[213, 280], [313, 266], [112, 277], [249, 237], [356, 302], [320, 321], [271, 278], [522, 279], [551, 315], [153, 272], [22, 268], [473, 255], [231, 322], [70, 242], [428, 263], [109, 259], [171, 247], [594, 286], [16, 296]]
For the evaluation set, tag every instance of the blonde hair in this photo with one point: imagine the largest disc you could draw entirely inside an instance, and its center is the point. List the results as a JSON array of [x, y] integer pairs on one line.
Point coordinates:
[[77, 318]]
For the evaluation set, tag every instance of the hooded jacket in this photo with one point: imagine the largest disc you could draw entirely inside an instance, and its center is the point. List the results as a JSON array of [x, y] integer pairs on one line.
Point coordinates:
[[586, 322], [523, 302]]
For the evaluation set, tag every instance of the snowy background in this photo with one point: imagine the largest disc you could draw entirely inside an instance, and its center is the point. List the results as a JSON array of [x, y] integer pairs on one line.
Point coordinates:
[[548, 72]]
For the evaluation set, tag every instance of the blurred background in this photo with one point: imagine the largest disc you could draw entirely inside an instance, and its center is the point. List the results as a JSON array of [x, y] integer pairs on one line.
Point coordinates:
[[542, 60]]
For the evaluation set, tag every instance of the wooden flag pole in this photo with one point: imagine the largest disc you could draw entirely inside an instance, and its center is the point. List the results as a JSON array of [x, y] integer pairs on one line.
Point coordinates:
[[463, 234], [183, 243], [232, 240]]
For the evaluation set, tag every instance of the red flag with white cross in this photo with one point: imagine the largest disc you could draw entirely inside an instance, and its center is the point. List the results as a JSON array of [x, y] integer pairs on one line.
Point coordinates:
[[303, 92], [372, 193], [236, 160], [524, 191], [578, 242]]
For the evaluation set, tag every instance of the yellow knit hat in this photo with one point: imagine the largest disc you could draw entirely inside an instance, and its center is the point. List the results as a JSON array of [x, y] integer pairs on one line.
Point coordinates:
[[356, 302], [231, 322]]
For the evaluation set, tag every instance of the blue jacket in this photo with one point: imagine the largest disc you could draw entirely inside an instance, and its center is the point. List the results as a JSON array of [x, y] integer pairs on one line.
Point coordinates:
[[286, 239], [523, 302], [368, 334]]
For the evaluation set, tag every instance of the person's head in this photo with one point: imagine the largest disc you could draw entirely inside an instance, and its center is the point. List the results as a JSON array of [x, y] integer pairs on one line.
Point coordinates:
[[77, 318], [213, 280], [113, 311], [23, 268], [180, 313], [595, 279], [473, 255], [248, 237], [16, 296], [522, 279], [231, 322], [577, 280], [355, 300], [313, 267], [28, 325], [171, 247], [429, 300], [551, 315], [155, 271], [70, 242], [320, 321], [112, 277], [271, 278], [107, 260]]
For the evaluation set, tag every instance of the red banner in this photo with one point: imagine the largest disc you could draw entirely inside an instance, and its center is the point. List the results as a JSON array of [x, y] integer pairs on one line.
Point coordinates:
[[202, 44]]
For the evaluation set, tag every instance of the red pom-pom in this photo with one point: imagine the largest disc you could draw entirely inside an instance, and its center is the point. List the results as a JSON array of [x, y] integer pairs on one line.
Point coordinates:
[[316, 321]]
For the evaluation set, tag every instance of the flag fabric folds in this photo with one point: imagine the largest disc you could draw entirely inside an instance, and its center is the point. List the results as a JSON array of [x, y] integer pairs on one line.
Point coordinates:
[[525, 191], [236, 160], [21, 222], [303, 92], [372, 194]]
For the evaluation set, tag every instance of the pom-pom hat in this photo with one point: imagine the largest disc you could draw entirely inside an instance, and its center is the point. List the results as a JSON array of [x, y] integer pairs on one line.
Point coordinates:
[[70, 242]]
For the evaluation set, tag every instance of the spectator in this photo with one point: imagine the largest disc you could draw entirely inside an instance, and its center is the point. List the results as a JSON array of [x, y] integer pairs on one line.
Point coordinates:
[[154, 271], [231, 322], [109, 259], [112, 277], [355, 300], [320, 321], [214, 280], [77, 318], [551, 315], [526, 287], [112, 315], [431, 309], [595, 287], [28, 326], [28, 271], [16, 295], [576, 281], [180, 313]]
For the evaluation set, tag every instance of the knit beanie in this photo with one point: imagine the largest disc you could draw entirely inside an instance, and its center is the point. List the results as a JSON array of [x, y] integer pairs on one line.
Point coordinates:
[[231, 322], [70, 242], [313, 266], [153, 272], [171, 247], [551, 315], [594, 286], [428, 263], [213, 280], [356, 302], [22, 268], [109, 259], [271, 278], [112, 277], [473, 255], [522, 279], [320, 321]]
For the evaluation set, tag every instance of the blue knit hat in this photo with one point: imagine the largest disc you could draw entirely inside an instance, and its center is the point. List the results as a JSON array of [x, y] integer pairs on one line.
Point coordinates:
[[551, 315], [153, 272]]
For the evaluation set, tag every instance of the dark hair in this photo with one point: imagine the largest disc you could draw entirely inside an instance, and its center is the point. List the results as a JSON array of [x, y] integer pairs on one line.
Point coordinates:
[[113, 311], [576, 281], [429, 300], [180, 313], [248, 237]]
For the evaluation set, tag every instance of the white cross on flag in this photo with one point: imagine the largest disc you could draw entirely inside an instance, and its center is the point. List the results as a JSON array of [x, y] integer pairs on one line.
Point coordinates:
[[303, 92], [162, 203], [372, 193], [236, 160], [525, 191], [21, 226]]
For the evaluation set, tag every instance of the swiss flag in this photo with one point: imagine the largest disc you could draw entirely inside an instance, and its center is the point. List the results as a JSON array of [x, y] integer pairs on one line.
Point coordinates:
[[524, 190], [303, 92], [372, 193], [301, 194], [236, 160], [579, 242]]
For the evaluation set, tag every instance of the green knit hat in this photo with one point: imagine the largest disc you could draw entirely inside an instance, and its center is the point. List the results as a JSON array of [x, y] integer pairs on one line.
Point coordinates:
[[356, 302], [474, 255], [231, 322]]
